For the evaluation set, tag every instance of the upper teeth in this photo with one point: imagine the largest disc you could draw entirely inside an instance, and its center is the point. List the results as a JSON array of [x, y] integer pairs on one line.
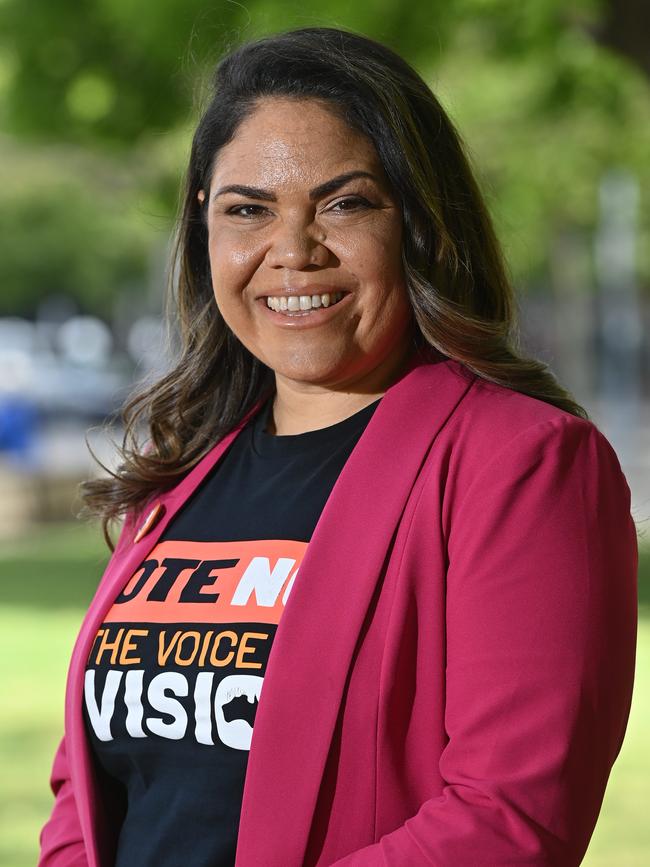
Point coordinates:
[[302, 302]]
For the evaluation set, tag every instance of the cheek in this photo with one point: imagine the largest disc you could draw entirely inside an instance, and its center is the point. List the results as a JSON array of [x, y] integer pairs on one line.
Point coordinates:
[[230, 256], [372, 254]]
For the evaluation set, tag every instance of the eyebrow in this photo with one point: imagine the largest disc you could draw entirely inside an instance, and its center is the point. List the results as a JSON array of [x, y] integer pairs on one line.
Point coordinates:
[[321, 190]]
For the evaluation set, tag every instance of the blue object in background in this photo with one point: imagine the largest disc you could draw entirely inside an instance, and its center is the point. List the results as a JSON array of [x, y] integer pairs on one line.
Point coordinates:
[[18, 428]]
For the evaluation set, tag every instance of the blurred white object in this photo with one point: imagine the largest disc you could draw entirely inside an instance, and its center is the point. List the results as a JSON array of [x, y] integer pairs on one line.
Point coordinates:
[[17, 373], [85, 340], [17, 334], [147, 344]]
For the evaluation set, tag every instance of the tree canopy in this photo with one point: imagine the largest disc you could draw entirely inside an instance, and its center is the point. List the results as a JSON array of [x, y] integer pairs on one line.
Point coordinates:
[[98, 99]]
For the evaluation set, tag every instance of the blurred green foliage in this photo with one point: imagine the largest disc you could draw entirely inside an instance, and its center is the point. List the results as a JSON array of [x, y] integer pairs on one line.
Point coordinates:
[[98, 99], [64, 240]]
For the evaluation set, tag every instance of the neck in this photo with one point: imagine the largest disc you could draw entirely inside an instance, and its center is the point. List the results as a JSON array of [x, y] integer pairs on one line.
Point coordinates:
[[299, 407]]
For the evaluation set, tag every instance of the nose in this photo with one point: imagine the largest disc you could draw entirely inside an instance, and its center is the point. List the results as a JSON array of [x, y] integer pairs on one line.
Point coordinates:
[[296, 246]]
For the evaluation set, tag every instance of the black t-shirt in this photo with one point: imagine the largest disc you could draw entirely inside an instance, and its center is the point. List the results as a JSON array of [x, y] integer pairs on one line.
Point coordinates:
[[175, 674]]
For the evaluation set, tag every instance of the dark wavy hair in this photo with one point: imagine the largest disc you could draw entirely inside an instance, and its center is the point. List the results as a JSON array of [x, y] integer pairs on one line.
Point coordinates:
[[461, 294]]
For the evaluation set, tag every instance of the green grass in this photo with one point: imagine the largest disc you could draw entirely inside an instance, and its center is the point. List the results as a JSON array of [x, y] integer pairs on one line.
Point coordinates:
[[45, 583]]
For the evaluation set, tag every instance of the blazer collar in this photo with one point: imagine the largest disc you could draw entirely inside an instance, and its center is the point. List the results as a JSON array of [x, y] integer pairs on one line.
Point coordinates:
[[351, 537]]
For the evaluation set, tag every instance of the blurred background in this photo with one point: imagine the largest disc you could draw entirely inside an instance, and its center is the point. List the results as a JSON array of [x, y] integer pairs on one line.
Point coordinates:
[[98, 99]]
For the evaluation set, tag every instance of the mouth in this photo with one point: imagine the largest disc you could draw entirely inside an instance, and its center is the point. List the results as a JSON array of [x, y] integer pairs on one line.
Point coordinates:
[[290, 304], [324, 309]]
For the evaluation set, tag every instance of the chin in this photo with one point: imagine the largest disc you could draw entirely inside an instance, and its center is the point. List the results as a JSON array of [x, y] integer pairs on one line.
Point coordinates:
[[304, 374], [304, 368]]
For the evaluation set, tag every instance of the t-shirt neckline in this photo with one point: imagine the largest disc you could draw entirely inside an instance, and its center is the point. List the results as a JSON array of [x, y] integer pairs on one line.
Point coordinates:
[[267, 444]]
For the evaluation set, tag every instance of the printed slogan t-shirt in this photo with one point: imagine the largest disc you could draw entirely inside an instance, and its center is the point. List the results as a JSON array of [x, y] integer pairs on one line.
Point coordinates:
[[176, 670]]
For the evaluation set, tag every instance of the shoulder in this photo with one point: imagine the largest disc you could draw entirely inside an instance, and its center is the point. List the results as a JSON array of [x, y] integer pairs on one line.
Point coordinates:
[[491, 415], [495, 430]]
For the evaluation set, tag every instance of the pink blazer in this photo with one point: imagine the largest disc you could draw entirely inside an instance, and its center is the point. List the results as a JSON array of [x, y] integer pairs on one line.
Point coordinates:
[[451, 679]]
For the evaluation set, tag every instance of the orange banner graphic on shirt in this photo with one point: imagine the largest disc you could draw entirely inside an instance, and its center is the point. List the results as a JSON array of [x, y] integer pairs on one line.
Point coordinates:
[[211, 582]]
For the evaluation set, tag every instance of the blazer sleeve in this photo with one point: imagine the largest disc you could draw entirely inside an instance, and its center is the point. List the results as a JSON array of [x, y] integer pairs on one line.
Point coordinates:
[[541, 638], [61, 839]]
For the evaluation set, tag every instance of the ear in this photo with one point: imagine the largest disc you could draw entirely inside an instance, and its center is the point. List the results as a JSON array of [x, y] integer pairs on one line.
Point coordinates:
[[201, 196]]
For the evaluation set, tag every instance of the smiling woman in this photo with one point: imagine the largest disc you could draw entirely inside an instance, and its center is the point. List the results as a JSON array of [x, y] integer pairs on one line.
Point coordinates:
[[373, 602]]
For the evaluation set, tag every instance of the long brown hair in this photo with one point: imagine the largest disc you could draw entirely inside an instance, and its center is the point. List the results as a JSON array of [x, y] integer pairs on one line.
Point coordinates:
[[462, 298]]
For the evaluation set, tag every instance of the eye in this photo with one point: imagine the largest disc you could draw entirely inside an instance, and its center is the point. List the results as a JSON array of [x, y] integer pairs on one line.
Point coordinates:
[[356, 200], [237, 210]]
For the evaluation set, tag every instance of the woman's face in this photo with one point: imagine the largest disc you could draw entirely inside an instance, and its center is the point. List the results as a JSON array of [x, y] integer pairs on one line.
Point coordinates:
[[296, 228]]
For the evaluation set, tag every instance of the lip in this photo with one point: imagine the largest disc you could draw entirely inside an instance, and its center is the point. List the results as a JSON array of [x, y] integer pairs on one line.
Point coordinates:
[[305, 318]]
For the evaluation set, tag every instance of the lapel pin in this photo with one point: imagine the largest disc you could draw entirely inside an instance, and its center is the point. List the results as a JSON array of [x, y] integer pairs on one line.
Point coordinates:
[[149, 522]]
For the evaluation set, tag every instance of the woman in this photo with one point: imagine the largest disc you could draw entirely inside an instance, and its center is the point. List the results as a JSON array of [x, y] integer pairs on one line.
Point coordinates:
[[447, 666]]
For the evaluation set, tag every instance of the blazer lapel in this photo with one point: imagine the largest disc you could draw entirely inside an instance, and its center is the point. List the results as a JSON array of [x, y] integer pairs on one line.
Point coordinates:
[[343, 561], [120, 568]]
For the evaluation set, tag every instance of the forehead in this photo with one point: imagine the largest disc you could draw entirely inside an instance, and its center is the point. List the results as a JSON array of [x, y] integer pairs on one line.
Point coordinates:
[[289, 140]]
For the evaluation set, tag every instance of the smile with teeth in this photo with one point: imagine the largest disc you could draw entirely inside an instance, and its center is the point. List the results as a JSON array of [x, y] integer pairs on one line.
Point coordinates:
[[299, 303]]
